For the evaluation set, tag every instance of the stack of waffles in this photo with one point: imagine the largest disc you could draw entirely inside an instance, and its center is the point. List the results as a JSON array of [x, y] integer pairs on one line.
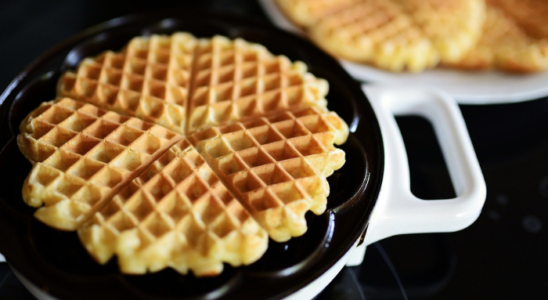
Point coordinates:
[[415, 35], [182, 152], [514, 38]]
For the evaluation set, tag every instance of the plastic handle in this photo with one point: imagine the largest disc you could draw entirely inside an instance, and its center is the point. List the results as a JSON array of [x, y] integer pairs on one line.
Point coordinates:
[[400, 211], [397, 210]]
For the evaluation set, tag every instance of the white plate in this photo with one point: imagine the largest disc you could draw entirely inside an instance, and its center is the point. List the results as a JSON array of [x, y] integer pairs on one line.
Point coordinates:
[[467, 87]]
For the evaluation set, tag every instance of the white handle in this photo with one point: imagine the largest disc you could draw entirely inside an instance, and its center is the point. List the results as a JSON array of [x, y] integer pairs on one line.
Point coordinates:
[[397, 210]]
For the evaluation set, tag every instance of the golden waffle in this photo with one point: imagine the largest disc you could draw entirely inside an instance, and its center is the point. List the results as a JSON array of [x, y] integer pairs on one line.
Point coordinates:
[[506, 45], [82, 156], [307, 12], [398, 35], [176, 214], [277, 166], [237, 80], [143, 193], [149, 79], [453, 26]]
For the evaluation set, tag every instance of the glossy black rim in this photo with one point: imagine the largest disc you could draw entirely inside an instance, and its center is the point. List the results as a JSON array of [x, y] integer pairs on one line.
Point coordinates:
[[57, 263]]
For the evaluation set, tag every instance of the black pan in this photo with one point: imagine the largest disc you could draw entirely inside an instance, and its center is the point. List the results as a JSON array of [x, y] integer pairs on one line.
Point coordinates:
[[56, 262]]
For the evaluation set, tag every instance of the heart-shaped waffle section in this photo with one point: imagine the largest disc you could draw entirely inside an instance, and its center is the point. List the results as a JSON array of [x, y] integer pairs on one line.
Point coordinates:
[[149, 79], [177, 214], [235, 80], [83, 156], [156, 199], [277, 166]]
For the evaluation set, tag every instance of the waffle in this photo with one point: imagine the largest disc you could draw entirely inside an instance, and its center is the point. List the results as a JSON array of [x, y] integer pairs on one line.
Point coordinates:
[[307, 12], [453, 26], [155, 198], [176, 214], [277, 166], [82, 156], [399, 35], [530, 15], [149, 79], [506, 45], [236, 80]]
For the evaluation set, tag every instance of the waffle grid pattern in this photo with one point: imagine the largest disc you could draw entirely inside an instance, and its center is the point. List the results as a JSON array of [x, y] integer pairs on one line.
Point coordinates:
[[306, 12], [506, 45], [176, 214], [149, 79], [395, 35], [454, 27], [142, 192], [379, 32], [277, 166], [236, 80], [178, 79], [83, 155]]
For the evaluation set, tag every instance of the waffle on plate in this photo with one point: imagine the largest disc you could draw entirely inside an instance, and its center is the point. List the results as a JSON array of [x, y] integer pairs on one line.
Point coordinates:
[[414, 35]]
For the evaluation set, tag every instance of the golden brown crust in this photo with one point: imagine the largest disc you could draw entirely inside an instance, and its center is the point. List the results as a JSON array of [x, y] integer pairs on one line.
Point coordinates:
[[277, 165], [393, 34], [505, 45], [142, 192], [176, 214], [83, 156]]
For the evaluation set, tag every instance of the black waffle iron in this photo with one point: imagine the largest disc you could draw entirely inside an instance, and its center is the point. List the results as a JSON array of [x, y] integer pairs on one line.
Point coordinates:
[[57, 264]]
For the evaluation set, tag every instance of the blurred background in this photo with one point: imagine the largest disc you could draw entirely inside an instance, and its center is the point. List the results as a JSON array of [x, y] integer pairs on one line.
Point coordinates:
[[501, 256]]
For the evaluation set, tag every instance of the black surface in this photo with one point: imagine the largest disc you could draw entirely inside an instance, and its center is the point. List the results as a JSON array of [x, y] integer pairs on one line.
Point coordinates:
[[501, 256], [56, 262]]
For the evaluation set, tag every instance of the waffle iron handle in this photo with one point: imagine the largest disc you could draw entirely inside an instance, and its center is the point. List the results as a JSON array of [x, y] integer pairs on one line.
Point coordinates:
[[397, 210]]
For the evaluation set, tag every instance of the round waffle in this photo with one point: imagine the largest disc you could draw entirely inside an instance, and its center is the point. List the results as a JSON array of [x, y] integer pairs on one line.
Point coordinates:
[[101, 172]]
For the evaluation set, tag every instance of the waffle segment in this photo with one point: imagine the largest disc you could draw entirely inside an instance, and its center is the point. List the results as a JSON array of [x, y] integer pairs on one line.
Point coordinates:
[[236, 81], [149, 79], [453, 26], [506, 45], [82, 156], [176, 214], [277, 166], [307, 12]]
